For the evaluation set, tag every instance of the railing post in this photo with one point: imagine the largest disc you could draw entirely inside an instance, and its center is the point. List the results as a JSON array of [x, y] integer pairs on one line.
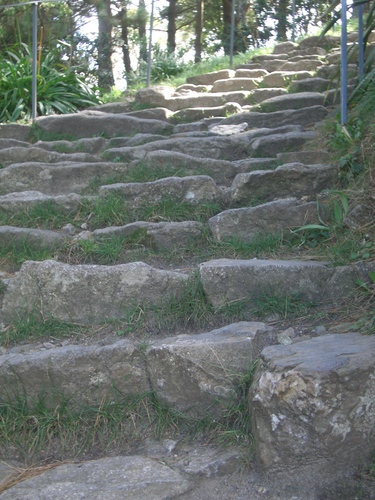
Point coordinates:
[[344, 64]]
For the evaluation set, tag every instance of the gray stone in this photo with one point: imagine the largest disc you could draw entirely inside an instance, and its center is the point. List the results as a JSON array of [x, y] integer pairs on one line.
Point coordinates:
[[223, 172], [24, 200], [293, 101], [274, 64], [55, 178], [232, 84], [87, 294], [225, 129], [283, 78], [136, 140], [90, 145], [162, 114], [303, 117], [197, 374], [252, 164], [84, 374], [259, 95], [272, 144], [89, 124], [207, 462], [284, 47], [327, 42], [198, 113], [250, 73], [311, 85], [15, 131], [200, 100], [210, 78], [190, 127], [39, 237], [162, 235], [246, 224], [226, 281], [305, 157], [191, 189], [287, 180], [216, 147], [303, 65], [314, 401], [113, 478], [21, 154], [190, 87], [11, 143], [270, 57], [154, 95]]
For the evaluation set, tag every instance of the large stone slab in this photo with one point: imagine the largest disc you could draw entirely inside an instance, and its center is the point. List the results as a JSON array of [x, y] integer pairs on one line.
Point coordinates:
[[197, 374], [12, 202], [191, 189], [90, 145], [87, 294], [162, 235], [198, 113], [291, 179], [37, 237], [84, 374], [246, 224], [202, 100], [21, 154], [303, 117], [304, 64], [220, 170], [113, 478], [314, 401], [226, 281], [311, 85], [228, 148], [261, 94], [94, 123], [55, 178], [272, 144], [232, 84], [283, 78], [15, 131], [293, 101], [210, 78]]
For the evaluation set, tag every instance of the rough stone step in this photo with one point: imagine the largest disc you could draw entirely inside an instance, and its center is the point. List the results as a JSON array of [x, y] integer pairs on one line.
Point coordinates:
[[228, 148], [87, 294], [283, 78], [291, 179], [226, 281], [55, 178], [210, 78], [96, 123], [233, 84], [92, 145], [313, 404], [293, 101], [10, 143], [36, 237], [14, 155], [223, 172], [312, 85], [161, 235], [259, 95], [130, 477], [23, 201], [207, 100], [191, 189], [196, 374], [246, 224], [306, 64], [306, 157], [197, 113], [250, 73], [303, 117], [272, 144]]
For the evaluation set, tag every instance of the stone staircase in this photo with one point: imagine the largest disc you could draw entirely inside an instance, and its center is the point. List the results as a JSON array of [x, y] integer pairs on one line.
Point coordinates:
[[238, 139]]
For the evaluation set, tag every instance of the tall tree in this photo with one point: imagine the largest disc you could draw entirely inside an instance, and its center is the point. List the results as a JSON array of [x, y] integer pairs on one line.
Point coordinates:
[[105, 48], [141, 21], [171, 29], [124, 24], [198, 31]]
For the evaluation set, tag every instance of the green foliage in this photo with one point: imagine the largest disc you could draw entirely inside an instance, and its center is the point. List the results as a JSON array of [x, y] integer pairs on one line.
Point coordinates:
[[15, 252], [59, 90]]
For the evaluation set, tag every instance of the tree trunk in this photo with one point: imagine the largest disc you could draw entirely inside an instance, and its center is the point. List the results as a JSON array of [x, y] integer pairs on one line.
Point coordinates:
[[171, 16], [198, 31], [281, 15], [227, 16], [142, 16], [125, 40], [105, 70]]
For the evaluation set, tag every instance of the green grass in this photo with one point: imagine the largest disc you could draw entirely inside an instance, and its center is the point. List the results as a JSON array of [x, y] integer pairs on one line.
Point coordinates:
[[14, 253], [32, 326]]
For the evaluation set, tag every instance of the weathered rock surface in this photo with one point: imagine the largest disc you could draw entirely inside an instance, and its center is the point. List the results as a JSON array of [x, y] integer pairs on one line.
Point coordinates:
[[246, 224], [38, 237], [21, 154], [314, 401], [269, 145], [225, 280], [89, 145], [198, 113], [55, 178], [87, 294], [197, 374], [291, 179], [24, 200], [111, 478], [84, 374], [91, 123], [191, 189], [210, 78], [293, 101]]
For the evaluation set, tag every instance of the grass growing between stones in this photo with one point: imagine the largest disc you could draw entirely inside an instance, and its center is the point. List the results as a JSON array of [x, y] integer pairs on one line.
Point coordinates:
[[53, 427], [14, 253]]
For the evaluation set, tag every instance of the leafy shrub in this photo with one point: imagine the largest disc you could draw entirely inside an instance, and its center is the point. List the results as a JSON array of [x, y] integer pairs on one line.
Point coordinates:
[[59, 89], [165, 64]]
